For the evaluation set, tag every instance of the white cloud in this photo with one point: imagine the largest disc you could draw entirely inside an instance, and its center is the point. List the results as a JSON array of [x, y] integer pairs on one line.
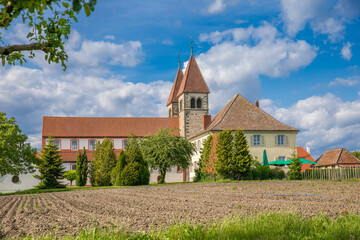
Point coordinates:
[[17, 34], [346, 51], [110, 37], [351, 81], [325, 122], [327, 17], [240, 56], [168, 42], [216, 7]]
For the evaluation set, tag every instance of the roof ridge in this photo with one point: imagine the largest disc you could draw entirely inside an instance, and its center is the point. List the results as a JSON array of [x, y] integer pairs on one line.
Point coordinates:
[[227, 110], [339, 155]]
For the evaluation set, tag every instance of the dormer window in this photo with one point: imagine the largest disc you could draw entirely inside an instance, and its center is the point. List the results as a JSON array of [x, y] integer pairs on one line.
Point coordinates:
[[192, 103], [198, 103]]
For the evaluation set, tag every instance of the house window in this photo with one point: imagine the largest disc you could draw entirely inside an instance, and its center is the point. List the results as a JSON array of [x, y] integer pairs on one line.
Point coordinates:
[[198, 103], [281, 140], [282, 158], [57, 143], [74, 144], [73, 167], [124, 144], [169, 112], [192, 103], [256, 140], [179, 169], [181, 104], [92, 145]]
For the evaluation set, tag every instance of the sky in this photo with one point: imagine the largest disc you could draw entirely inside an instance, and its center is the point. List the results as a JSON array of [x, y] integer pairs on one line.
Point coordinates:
[[299, 58]]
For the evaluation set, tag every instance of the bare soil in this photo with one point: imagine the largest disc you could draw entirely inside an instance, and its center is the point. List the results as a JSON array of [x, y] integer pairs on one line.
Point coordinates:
[[146, 207]]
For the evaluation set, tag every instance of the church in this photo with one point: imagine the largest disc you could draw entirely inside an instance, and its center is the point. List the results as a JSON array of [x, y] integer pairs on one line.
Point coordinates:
[[188, 110]]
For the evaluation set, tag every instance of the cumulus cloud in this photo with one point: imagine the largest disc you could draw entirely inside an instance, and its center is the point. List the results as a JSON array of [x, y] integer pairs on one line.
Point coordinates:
[[241, 55], [327, 17], [351, 81], [30, 93], [325, 122], [346, 51], [110, 37], [216, 6]]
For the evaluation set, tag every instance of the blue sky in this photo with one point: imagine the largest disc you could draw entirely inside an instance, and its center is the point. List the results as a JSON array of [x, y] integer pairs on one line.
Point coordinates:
[[299, 58]]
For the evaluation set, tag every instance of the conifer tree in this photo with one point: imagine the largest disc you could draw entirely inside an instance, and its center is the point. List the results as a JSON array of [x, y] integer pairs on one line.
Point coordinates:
[[50, 167], [82, 168], [295, 169], [136, 171], [241, 156], [103, 163], [120, 165], [224, 150]]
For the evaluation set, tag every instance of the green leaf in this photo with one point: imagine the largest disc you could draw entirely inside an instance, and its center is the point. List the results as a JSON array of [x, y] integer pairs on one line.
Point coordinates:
[[3, 61], [65, 4], [76, 5], [87, 9], [30, 35]]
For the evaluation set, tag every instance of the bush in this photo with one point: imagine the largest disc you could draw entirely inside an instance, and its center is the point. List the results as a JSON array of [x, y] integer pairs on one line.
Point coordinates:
[[70, 175], [261, 173], [277, 173], [135, 173]]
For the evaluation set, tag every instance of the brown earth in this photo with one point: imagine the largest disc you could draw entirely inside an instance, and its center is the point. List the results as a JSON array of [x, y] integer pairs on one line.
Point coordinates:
[[144, 207]]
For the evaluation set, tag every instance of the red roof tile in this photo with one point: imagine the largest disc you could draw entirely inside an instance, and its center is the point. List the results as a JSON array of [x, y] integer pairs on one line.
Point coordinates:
[[175, 88], [302, 153], [193, 81], [104, 126], [337, 157]]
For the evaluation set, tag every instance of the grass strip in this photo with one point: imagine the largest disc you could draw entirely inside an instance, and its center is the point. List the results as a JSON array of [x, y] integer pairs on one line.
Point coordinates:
[[261, 226]]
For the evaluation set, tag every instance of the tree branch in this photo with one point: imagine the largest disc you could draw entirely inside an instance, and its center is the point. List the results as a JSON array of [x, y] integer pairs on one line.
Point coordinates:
[[23, 47]]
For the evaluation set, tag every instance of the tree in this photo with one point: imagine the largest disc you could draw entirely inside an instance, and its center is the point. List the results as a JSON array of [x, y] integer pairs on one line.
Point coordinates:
[[50, 167], [82, 168], [70, 175], [356, 154], [136, 171], [233, 156], [49, 23], [103, 163], [165, 150], [16, 156], [120, 165], [295, 169]]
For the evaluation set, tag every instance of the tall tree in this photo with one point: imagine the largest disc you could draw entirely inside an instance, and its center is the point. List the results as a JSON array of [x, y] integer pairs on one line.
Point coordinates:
[[103, 163], [136, 171], [224, 151], [82, 168], [165, 150], [295, 169], [49, 23], [120, 165], [16, 156], [233, 156], [50, 167]]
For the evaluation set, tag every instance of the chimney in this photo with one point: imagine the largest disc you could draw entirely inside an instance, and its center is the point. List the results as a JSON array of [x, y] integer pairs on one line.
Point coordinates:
[[206, 121], [308, 149], [257, 103]]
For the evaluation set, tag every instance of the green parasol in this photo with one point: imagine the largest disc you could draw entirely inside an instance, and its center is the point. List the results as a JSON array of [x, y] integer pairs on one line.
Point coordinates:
[[265, 160]]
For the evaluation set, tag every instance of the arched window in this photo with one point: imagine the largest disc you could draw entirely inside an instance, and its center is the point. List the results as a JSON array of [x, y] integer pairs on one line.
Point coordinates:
[[192, 103], [181, 104], [198, 103]]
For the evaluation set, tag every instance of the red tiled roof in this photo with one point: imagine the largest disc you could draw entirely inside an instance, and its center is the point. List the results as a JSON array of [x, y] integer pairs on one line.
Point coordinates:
[[193, 80], [337, 156], [302, 153], [175, 88], [104, 126], [239, 113]]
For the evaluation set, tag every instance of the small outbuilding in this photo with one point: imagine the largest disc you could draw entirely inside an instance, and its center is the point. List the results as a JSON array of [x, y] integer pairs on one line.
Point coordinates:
[[336, 158]]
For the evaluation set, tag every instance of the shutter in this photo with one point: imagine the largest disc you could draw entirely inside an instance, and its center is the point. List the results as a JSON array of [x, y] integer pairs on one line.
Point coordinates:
[[276, 140], [262, 140], [286, 140], [251, 140]]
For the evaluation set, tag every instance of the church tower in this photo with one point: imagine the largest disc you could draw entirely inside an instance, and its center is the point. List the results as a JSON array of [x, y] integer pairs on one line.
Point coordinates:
[[193, 99], [173, 101]]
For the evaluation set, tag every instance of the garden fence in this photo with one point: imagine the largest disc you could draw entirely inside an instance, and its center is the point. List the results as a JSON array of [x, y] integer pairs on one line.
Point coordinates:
[[332, 173]]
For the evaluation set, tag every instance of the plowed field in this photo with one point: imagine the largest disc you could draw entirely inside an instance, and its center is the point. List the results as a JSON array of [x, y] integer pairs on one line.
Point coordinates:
[[141, 208]]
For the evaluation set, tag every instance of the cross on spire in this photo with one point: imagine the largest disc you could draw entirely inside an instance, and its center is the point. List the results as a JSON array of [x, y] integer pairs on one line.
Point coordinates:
[[192, 45]]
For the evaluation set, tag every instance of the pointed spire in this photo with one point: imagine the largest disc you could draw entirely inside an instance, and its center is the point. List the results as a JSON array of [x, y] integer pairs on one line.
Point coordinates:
[[176, 86], [193, 81], [179, 61], [192, 45]]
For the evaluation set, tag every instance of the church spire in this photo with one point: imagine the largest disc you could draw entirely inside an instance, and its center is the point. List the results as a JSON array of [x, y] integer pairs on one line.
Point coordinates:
[[192, 45]]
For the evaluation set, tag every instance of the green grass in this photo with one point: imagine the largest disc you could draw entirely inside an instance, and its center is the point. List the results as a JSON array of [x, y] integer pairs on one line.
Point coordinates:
[[262, 226]]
